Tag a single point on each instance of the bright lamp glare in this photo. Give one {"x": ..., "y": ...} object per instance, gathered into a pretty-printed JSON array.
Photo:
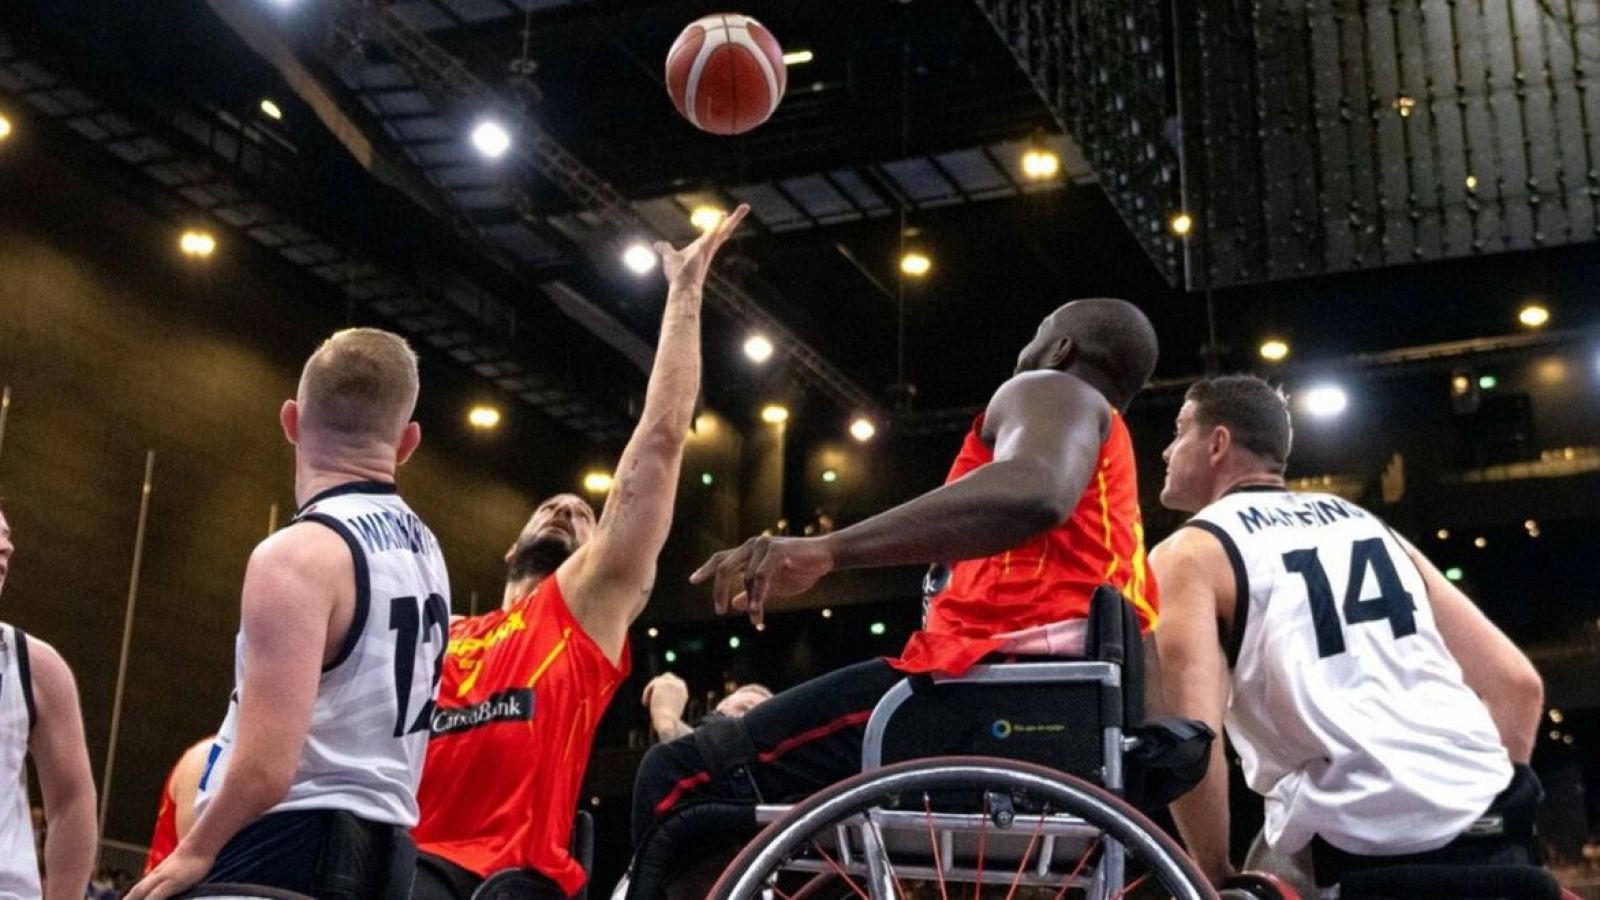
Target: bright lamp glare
[
  {"x": 758, "y": 348},
  {"x": 483, "y": 417},
  {"x": 915, "y": 264},
  {"x": 5, "y": 128},
  {"x": 597, "y": 482},
  {"x": 706, "y": 217},
  {"x": 798, "y": 57},
  {"x": 491, "y": 139},
  {"x": 773, "y": 414},
  {"x": 1274, "y": 350},
  {"x": 271, "y": 110},
  {"x": 1326, "y": 401},
  {"x": 1181, "y": 224},
  {"x": 197, "y": 243},
  {"x": 862, "y": 429},
  {"x": 1040, "y": 164},
  {"x": 1533, "y": 316},
  {"x": 639, "y": 259}
]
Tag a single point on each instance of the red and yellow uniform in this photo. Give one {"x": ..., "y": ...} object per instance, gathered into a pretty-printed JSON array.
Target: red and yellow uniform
[
  {"x": 1046, "y": 580},
  {"x": 522, "y": 692},
  {"x": 165, "y": 838}
]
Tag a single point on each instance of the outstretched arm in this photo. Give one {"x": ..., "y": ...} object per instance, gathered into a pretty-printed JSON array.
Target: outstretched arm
[
  {"x": 1046, "y": 428},
  {"x": 62, "y": 760},
  {"x": 1196, "y": 594},
  {"x": 608, "y": 580}
]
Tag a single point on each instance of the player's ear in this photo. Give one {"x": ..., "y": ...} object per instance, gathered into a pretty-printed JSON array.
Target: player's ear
[
  {"x": 1061, "y": 353},
  {"x": 289, "y": 418},
  {"x": 1221, "y": 441},
  {"x": 409, "y": 439}
]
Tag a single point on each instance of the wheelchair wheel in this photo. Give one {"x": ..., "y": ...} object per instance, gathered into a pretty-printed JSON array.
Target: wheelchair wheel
[{"x": 913, "y": 829}]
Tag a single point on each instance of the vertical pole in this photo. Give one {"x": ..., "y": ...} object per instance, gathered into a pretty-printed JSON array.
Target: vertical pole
[
  {"x": 5, "y": 411},
  {"x": 127, "y": 638},
  {"x": 272, "y": 519}
]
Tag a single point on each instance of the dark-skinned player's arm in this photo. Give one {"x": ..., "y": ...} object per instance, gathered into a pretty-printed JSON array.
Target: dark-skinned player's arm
[
  {"x": 607, "y": 581},
  {"x": 1046, "y": 428}
]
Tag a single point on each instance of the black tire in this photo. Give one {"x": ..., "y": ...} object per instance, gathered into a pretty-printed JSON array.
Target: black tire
[{"x": 1144, "y": 841}]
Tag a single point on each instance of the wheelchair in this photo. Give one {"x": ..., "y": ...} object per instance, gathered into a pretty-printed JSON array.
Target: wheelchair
[{"x": 993, "y": 807}]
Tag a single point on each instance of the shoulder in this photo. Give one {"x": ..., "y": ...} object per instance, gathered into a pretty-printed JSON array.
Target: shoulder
[
  {"x": 304, "y": 545},
  {"x": 1046, "y": 393},
  {"x": 1191, "y": 550},
  {"x": 52, "y": 679}
]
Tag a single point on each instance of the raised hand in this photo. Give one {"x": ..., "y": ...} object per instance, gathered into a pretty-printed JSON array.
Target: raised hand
[
  {"x": 763, "y": 568},
  {"x": 688, "y": 267}
]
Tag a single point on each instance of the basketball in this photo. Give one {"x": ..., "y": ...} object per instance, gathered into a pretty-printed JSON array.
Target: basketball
[{"x": 725, "y": 73}]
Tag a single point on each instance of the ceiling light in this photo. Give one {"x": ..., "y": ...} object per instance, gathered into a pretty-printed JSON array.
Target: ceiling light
[
  {"x": 1040, "y": 164},
  {"x": 1533, "y": 315},
  {"x": 827, "y": 613},
  {"x": 483, "y": 417},
  {"x": 862, "y": 429},
  {"x": 670, "y": 657},
  {"x": 705, "y": 424},
  {"x": 1404, "y": 104},
  {"x": 199, "y": 244},
  {"x": 653, "y": 631},
  {"x": 1566, "y": 739},
  {"x": 491, "y": 139},
  {"x": 271, "y": 110},
  {"x": 1326, "y": 400},
  {"x": 1472, "y": 182},
  {"x": 1488, "y": 382},
  {"x": 597, "y": 482},
  {"x": 798, "y": 57},
  {"x": 1181, "y": 224},
  {"x": 774, "y": 414},
  {"x": 1556, "y": 716},
  {"x": 1444, "y": 534},
  {"x": 758, "y": 348},
  {"x": 915, "y": 264},
  {"x": 830, "y": 475},
  {"x": 1480, "y": 542},
  {"x": 5, "y": 128},
  {"x": 733, "y": 642},
  {"x": 1555, "y": 735},
  {"x": 1460, "y": 384},
  {"x": 877, "y": 628},
  {"x": 1274, "y": 350},
  {"x": 639, "y": 259},
  {"x": 1531, "y": 524},
  {"x": 706, "y": 478},
  {"x": 706, "y": 217},
  {"x": 1454, "y": 573}
]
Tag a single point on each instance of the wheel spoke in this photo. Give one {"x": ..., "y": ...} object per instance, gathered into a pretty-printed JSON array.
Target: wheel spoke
[
  {"x": 933, "y": 839},
  {"x": 1136, "y": 882},
  {"x": 1026, "y": 855},
  {"x": 841, "y": 870},
  {"x": 983, "y": 834}
]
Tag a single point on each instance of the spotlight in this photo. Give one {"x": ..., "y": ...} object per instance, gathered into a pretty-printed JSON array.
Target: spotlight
[
  {"x": 1533, "y": 316},
  {"x": 915, "y": 264},
  {"x": 1488, "y": 382},
  {"x": 1325, "y": 401},
  {"x": 827, "y": 613},
  {"x": 483, "y": 417},
  {"x": 1460, "y": 384},
  {"x": 1444, "y": 534},
  {"x": 877, "y": 628},
  {"x": 1472, "y": 182},
  {"x": 670, "y": 657},
  {"x": 1274, "y": 350},
  {"x": 1556, "y": 716},
  {"x": 774, "y": 414},
  {"x": 597, "y": 482},
  {"x": 1454, "y": 573},
  {"x": 271, "y": 110},
  {"x": 1040, "y": 164},
  {"x": 5, "y": 128},
  {"x": 1404, "y": 104},
  {"x": 639, "y": 258},
  {"x": 862, "y": 429},
  {"x": 758, "y": 348},
  {"x": 1480, "y": 542},
  {"x": 830, "y": 475},
  {"x": 706, "y": 479},
  {"x": 733, "y": 642},
  {"x": 1181, "y": 224},
  {"x": 491, "y": 139},
  {"x": 706, "y": 217},
  {"x": 200, "y": 244},
  {"x": 798, "y": 57},
  {"x": 653, "y": 631}
]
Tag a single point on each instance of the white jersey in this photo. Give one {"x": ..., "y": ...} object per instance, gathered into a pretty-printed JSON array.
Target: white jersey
[
  {"x": 19, "y": 864},
  {"x": 1348, "y": 712},
  {"x": 369, "y": 724}
]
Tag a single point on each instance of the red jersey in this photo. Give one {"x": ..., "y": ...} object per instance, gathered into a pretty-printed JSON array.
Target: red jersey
[
  {"x": 1047, "y": 579},
  {"x": 165, "y": 838},
  {"x": 520, "y": 698}
]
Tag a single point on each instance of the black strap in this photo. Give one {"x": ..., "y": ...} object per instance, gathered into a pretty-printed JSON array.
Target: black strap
[{"x": 728, "y": 753}]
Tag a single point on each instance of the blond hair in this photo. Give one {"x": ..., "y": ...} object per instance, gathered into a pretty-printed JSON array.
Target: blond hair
[{"x": 360, "y": 386}]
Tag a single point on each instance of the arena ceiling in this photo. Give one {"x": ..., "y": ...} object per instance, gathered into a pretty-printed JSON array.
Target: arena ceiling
[{"x": 904, "y": 130}]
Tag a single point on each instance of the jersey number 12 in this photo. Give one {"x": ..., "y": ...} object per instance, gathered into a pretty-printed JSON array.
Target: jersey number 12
[
  {"x": 403, "y": 618},
  {"x": 1393, "y": 601}
]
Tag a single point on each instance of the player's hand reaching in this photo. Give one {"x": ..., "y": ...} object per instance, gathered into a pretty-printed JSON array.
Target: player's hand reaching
[
  {"x": 763, "y": 568},
  {"x": 687, "y": 268},
  {"x": 176, "y": 874},
  {"x": 666, "y": 695}
]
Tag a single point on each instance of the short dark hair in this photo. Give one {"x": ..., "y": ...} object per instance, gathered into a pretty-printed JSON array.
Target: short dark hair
[
  {"x": 1115, "y": 339},
  {"x": 1253, "y": 411}
]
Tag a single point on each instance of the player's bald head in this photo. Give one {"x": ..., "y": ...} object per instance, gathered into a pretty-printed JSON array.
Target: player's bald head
[
  {"x": 359, "y": 387},
  {"x": 1109, "y": 336}
]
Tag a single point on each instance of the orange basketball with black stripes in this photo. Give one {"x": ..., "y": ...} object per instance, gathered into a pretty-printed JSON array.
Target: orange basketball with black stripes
[{"x": 725, "y": 73}]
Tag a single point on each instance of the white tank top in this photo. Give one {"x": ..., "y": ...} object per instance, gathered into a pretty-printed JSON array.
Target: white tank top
[
  {"x": 1348, "y": 712},
  {"x": 369, "y": 724},
  {"x": 19, "y": 864}
]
